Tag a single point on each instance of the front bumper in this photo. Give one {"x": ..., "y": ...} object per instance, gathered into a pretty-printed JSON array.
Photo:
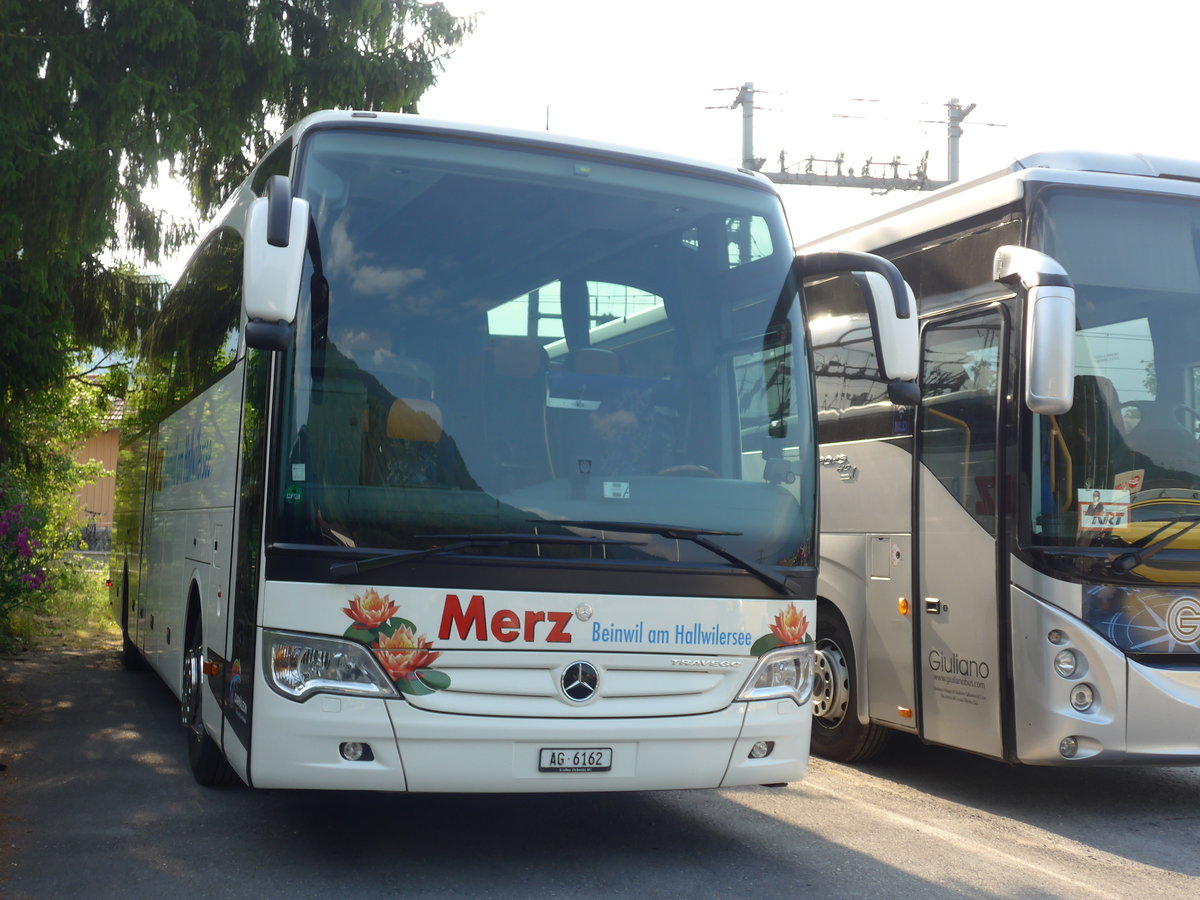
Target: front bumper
[{"x": 296, "y": 745}]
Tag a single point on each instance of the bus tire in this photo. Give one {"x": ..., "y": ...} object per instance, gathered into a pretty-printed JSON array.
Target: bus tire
[
  {"x": 837, "y": 734},
  {"x": 131, "y": 657},
  {"x": 206, "y": 759}
]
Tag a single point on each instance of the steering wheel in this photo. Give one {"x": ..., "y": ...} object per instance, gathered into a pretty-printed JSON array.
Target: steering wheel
[
  {"x": 1142, "y": 406},
  {"x": 1191, "y": 411},
  {"x": 689, "y": 470}
]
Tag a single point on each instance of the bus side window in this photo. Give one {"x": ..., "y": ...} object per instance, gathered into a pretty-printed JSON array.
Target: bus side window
[
  {"x": 184, "y": 353},
  {"x": 959, "y": 384},
  {"x": 852, "y": 403}
]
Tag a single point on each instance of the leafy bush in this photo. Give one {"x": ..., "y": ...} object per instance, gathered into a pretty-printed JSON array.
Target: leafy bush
[
  {"x": 79, "y": 603},
  {"x": 75, "y": 612},
  {"x": 22, "y": 554},
  {"x": 39, "y": 481}
]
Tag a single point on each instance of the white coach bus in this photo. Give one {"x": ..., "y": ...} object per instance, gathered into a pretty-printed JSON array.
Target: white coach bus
[
  {"x": 476, "y": 460},
  {"x": 1013, "y": 568}
]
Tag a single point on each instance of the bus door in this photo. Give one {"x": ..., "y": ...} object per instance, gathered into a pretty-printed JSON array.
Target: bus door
[{"x": 956, "y": 527}]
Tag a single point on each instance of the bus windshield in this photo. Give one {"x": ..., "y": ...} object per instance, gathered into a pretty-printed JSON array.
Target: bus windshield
[
  {"x": 513, "y": 342},
  {"x": 1125, "y": 460}
]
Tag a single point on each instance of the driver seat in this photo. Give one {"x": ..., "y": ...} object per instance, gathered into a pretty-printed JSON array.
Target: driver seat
[{"x": 1163, "y": 439}]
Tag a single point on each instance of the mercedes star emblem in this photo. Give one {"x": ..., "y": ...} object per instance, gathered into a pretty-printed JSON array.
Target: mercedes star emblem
[{"x": 579, "y": 681}]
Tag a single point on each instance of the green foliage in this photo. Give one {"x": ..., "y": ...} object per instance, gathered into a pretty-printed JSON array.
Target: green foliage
[
  {"x": 74, "y": 612},
  {"x": 22, "y": 555},
  {"x": 80, "y": 601},
  {"x": 98, "y": 94},
  {"x": 37, "y": 493}
]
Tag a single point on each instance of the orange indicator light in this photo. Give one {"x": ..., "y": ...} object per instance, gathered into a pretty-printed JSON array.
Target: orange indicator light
[{"x": 903, "y": 606}]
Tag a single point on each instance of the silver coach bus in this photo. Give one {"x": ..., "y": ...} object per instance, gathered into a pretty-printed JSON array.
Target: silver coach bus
[{"x": 1012, "y": 567}]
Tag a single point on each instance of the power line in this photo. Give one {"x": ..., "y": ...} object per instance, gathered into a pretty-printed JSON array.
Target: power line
[{"x": 879, "y": 177}]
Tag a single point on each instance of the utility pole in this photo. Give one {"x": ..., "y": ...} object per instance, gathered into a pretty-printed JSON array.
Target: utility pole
[
  {"x": 917, "y": 180},
  {"x": 955, "y": 115},
  {"x": 745, "y": 99}
]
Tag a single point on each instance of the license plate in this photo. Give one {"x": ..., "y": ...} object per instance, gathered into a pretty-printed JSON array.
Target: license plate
[{"x": 575, "y": 759}]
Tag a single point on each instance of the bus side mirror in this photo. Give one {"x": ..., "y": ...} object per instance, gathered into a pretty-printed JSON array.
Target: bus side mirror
[
  {"x": 897, "y": 335},
  {"x": 891, "y": 307},
  {"x": 1049, "y": 326},
  {"x": 275, "y": 244}
]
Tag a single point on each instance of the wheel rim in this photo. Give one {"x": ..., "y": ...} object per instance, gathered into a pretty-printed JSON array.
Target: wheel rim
[
  {"x": 191, "y": 690},
  {"x": 831, "y": 684}
]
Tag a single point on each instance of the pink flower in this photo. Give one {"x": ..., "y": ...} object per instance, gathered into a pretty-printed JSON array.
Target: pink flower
[
  {"x": 791, "y": 626},
  {"x": 401, "y": 653},
  {"x": 370, "y": 610}
]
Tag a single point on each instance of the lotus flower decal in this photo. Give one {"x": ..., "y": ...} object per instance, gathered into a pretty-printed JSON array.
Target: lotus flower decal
[
  {"x": 370, "y": 610},
  {"x": 789, "y": 628},
  {"x": 791, "y": 625},
  {"x": 404, "y": 655}
]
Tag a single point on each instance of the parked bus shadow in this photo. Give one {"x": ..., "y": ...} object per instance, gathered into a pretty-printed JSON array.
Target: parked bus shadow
[
  {"x": 96, "y": 800},
  {"x": 95, "y": 773},
  {"x": 1158, "y": 805}
]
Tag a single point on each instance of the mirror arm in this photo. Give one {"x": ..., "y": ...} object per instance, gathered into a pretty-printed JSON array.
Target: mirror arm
[{"x": 834, "y": 262}]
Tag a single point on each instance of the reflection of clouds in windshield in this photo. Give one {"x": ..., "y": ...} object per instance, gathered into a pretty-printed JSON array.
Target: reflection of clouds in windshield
[
  {"x": 366, "y": 278},
  {"x": 366, "y": 348},
  {"x": 396, "y": 371}
]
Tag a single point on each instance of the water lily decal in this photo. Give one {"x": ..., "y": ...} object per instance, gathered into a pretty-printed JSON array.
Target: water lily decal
[
  {"x": 789, "y": 628},
  {"x": 370, "y": 610},
  {"x": 404, "y": 655},
  {"x": 791, "y": 625}
]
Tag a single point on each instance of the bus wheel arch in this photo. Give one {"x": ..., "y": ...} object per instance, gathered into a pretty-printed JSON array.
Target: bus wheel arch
[
  {"x": 206, "y": 759},
  {"x": 131, "y": 657},
  {"x": 837, "y": 733}
]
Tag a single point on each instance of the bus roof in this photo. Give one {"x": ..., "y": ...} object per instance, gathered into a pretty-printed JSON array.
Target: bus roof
[
  {"x": 960, "y": 202},
  {"x": 426, "y": 125}
]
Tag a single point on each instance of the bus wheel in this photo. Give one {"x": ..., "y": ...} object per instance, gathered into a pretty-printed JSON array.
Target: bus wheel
[
  {"x": 131, "y": 658},
  {"x": 208, "y": 763},
  {"x": 837, "y": 733}
]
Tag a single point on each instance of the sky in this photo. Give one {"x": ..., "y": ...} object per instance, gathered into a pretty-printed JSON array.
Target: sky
[{"x": 864, "y": 78}]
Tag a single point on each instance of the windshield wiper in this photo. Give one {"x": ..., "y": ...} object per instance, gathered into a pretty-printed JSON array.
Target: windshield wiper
[
  {"x": 1129, "y": 561},
  {"x": 459, "y": 542},
  {"x": 697, "y": 536}
]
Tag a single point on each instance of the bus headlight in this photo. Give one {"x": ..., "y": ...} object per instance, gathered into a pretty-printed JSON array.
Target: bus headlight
[
  {"x": 299, "y": 665},
  {"x": 1082, "y": 697},
  {"x": 1065, "y": 663},
  {"x": 783, "y": 673}
]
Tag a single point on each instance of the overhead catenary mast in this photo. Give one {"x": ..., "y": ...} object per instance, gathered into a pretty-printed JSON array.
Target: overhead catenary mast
[
  {"x": 955, "y": 115},
  {"x": 835, "y": 173}
]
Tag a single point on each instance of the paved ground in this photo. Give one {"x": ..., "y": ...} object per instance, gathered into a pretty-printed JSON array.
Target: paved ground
[{"x": 96, "y": 801}]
